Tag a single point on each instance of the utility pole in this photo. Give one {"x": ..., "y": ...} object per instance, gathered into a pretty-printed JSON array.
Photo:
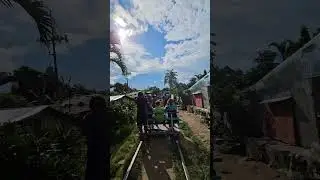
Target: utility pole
[
  {"x": 127, "y": 91},
  {"x": 54, "y": 40},
  {"x": 54, "y": 54}
]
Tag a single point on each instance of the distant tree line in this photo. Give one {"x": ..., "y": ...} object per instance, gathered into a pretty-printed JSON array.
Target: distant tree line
[{"x": 38, "y": 87}]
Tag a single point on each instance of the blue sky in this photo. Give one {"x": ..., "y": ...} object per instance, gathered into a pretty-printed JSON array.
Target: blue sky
[
  {"x": 154, "y": 42},
  {"x": 158, "y": 38},
  {"x": 241, "y": 28}
]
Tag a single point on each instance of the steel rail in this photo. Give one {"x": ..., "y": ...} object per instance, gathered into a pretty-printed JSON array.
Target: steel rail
[
  {"x": 185, "y": 170},
  {"x": 132, "y": 162}
]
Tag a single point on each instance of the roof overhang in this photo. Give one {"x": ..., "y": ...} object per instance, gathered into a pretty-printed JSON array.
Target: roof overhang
[
  {"x": 275, "y": 99},
  {"x": 197, "y": 92}
]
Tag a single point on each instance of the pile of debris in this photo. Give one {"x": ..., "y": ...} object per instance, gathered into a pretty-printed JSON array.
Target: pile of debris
[{"x": 296, "y": 162}]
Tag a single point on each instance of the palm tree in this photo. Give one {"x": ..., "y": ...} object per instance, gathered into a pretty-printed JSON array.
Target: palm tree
[
  {"x": 305, "y": 36},
  {"x": 41, "y": 16},
  {"x": 283, "y": 48},
  {"x": 192, "y": 81},
  {"x": 287, "y": 47},
  {"x": 170, "y": 78},
  {"x": 39, "y": 13},
  {"x": 118, "y": 59},
  {"x": 316, "y": 32}
]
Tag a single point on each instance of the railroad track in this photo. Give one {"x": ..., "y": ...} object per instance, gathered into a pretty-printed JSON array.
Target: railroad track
[{"x": 142, "y": 145}]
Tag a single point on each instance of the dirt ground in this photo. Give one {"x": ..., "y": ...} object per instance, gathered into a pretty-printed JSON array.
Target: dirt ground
[
  {"x": 199, "y": 129},
  {"x": 231, "y": 167}
]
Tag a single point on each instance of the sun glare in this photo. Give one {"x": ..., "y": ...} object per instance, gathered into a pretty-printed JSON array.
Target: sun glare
[
  {"x": 123, "y": 34},
  {"x": 120, "y": 22},
  {"x": 123, "y": 31}
]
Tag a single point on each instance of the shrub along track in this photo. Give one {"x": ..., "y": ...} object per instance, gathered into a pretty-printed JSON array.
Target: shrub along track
[
  {"x": 197, "y": 154},
  {"x": 121, "y": 157}
]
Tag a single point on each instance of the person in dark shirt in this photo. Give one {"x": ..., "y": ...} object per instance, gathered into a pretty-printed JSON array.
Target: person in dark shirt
[
  {"x": 95, "y": 126},
  {"x": 142, "y": 111}
]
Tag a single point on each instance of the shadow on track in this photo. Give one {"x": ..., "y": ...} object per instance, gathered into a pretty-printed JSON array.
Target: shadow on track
[{"x": 154, "y": 161}]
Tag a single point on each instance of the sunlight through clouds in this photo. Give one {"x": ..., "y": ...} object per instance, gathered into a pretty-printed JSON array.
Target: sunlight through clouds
[
  {"x": 120, "y": 22},
  {"x": 185, "y": 25}
]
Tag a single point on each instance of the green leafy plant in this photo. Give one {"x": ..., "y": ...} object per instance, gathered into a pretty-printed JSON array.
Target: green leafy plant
[{"x": 54, "y": 154}]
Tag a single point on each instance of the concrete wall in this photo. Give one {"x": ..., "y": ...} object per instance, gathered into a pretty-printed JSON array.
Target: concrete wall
[
  {"x": 205, "y": 97},
  {"x": 304, "y": 113}
]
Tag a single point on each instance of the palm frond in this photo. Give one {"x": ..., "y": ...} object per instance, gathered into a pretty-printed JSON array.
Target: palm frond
[
  {"x": 119, "y": 60},
  {"x": 116, "y": 50},
  {"x": 277, "y": 45},
  {"x": 6, "y": 3},
  {"x": 121, "y": 64},
  {"x": 114, "y": 38},
  {"x": 40, "y": 14}
]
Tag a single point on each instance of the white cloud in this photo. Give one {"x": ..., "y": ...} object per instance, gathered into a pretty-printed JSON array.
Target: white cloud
[
  {"x": 138, "y": 60},
  {"x": 186, "y": 25},
  {"x": 122, "y": 18}
]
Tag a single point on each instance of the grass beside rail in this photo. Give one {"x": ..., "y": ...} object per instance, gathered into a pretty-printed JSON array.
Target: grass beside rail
[
  {"x": 196, "y": 155},
  {"x": 120, "y": 159}
]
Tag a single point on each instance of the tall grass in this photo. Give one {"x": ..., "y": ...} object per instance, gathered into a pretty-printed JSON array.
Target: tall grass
[
  {"x": 121, "y": 158},
  {"x": 196, "y": 155},
  {"x": 125, "y": 139},
  {"x": 52, "y": 155},
  {"x": 59, "y": 154}
]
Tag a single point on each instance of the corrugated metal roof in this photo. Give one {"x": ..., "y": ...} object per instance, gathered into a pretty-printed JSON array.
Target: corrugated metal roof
[
  {"x": 302, "y": 64},
  {"x": 18, "y": 114},
  {"x": 114, "y": 98},
  {"x": 275, "y": 95},
  {"x": 275, "y": 100},
  {"x": 77, "y": 99},
  {"x": 197, "y": 92},
  {"x": 205, "y": 81}
]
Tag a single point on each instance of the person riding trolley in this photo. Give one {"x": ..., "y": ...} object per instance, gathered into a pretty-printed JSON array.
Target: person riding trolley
[{"x": 171, "y": 111}]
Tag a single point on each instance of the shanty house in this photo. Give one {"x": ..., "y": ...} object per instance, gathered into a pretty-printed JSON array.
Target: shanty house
[
  {"x": 35, "y": 119},
  {"x": 290, "y": 97},
  {"x": 78, "y": 106},
  {"x": 200, "y": 92}
]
